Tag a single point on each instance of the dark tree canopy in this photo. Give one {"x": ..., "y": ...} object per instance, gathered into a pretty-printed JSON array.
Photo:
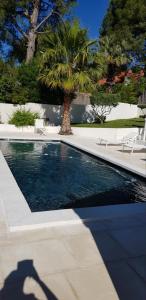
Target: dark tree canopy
[{"x": 125, "y": 21}]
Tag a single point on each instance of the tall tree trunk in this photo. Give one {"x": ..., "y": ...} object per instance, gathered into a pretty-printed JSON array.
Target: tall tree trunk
[
  {"x": 31, "y": 46},
  {"x": 66, "y": 126},
  {"x": 32, "y": 33}
]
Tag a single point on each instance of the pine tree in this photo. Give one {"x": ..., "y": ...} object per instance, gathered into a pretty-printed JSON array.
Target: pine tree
[
  {"x": 22, "y": 20},
  {"x": 125, "y": 21}
]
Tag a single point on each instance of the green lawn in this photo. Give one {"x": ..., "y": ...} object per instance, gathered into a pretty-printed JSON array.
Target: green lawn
[{"x": 137, "y": 122}]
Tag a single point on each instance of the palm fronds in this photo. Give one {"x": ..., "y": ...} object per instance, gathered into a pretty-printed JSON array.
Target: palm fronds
[{"x": 69, "y": 62}]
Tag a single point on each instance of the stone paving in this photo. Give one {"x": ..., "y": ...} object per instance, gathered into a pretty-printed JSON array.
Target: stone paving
[
  {"x": 104, "y": 260},
  {"x": 100, "y": 260}
]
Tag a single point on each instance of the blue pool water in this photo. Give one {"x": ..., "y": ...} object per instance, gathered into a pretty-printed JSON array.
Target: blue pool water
[{"x": 56, "y": 176}]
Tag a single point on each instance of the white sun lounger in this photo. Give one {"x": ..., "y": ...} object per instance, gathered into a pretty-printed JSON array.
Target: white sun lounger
[
  {"x": 134, "y": 146},
  {"x": 129, "y": 137}
]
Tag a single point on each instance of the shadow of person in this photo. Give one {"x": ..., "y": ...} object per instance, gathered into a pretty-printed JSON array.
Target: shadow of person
[{"x": 14, "y": 283}]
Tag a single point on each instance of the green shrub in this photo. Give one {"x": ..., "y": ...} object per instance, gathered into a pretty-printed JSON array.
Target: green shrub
[{"x": 23, "y": 117}]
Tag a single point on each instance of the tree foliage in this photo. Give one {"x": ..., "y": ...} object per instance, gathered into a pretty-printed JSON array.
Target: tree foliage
[
  {"x": 16, "y": 86},
  {"x": 21, "y": 21},
  {"x": 9, "y": 85},
  {"x": 27, "y": 76},
  {"x": 130, "y": 90},
  {"x": 19, "y": 85},
  {"x": 112, "y": 56},
  {"x": 125, "y": 21}
]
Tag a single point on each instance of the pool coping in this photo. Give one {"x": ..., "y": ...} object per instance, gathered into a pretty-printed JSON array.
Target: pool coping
[{"x": 18, "y": 215}]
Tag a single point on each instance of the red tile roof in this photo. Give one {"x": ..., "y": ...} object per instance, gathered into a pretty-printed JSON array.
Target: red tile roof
[{"x": 121, "y": 77}]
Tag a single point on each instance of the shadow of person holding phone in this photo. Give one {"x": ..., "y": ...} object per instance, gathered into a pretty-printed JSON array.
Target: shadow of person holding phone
[{"x": 14, "y": 283}]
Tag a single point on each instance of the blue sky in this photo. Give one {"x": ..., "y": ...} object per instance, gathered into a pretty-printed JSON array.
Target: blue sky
[{"x": 91, "y": 13}]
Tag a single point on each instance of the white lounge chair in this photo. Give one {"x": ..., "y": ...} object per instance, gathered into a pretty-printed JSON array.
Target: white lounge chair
[
  {"x": 134, "y": 146},
  {"x": 129, "y": 137},
  {"x": 39, "y": 127}
]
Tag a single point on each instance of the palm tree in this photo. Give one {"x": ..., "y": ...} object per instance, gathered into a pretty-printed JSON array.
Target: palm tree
[{"x": 68, "y": 64}]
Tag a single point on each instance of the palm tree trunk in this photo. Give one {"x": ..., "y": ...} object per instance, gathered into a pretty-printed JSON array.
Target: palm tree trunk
[{"x": 66, "y": 126}]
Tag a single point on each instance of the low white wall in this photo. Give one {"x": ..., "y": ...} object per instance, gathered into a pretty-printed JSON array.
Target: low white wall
[
  {"x": 112, "y": 133},
  {"x": 28, "y": 129},
  {"x": 79, "y": 113}
]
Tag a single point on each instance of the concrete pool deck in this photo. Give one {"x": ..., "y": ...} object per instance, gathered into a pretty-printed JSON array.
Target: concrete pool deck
[{"x": 103, "y": 259}]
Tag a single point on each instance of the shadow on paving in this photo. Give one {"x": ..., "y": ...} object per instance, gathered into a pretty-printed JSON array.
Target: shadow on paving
[
  {"x": 14, "y": 283},
  {"x": 126, "y": 279},
  {"x": 116, "y": 258}
]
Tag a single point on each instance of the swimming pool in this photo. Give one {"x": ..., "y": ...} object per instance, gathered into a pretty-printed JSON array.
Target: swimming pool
[{"x": 53, "y": 175}]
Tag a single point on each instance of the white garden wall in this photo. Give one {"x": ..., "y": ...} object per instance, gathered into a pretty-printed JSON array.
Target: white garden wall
[
  {"x": 45, "y": 111},
  {"x": 124, "y": 111},
  {"x": 79, "y": 113}
]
